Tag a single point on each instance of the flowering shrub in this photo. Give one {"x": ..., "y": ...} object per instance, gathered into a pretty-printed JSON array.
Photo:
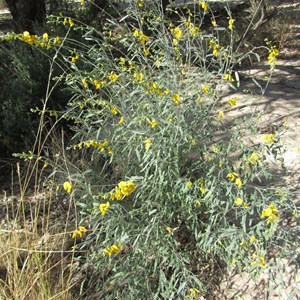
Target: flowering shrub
[{"x": 168, "y": 184}]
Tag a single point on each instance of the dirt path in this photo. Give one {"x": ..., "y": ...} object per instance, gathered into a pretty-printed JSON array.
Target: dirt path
[{"x": 280, "y": 108}]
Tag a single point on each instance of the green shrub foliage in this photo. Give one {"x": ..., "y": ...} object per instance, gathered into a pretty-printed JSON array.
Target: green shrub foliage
[{"x": 164, "y": 175}]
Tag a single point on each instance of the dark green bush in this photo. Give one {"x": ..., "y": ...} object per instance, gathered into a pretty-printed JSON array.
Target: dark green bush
[{"x": 24, "y": 73}]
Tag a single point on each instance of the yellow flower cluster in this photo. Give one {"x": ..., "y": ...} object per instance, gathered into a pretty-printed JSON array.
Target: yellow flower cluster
[
  {"x": 69, "y": 21},
  {"x": 138, "y": 76},
  {"x": 67, "y": 187},
  {"x": 232, "y": 102},
  {"x": 34, "y": 40},
  {"x": 147, "y": 144},
  {"x": 28, "y": 38},
  {"x": 269, "y": 139},
  {"x": 152, "y": 123},
  {"x": 176, "y": 98},
  {"x": 203, "y": 5},
  {"x": 258, "y": 260},
  {"x": 104, "y": 208},
  {"x": 177, "y": 32},
  {"x": 113, "y": 77},
  {"x": 112, "y": 249},
  {"x": 221, "y": 114},
  {"x": 98, "y": 84},
  {"x": 228, "y": 77},
  {"x": 205, "y": 89},
  {"x": 154, "y": 88},
  {"x": 202, "y": 188},
  {"x": 215, "y": 46},
  {"x": 271, "y": 213},
  {"x": 140, "y": 36},
  {"x": 194, "y": 294},
  {"x": 234, "y": 177},
  {"x": 254, "y": 158},
  {"x": 92, "y": 143},
  {"x": 122, "y": 189},
  {"x": 239, "y": 201},
  {"x": 272, "y": 58},
  {"x": 192, "y": 28},
  {"x": 230, "y": 23},
  {"x": 78, "y": 232}
]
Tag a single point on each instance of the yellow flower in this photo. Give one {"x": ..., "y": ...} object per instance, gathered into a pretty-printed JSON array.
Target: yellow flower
[
  {"x": 82, "y": 2},
  {"x": 246, "y": 205},
  {"x": 239, "y": 182},
  {"x": 203, "y": 5},
  {"x": 113, "y": 77},
  {"x": 116, "y": 194},
  {"x": 238, "y": 201},
  {"x": 214, "y": 23},
  {"x": 176, "y": 98},
  {"x": 85, "y": 83},
  {"x": 262, "y": 262},
  {"x": 205, "y": 89},
  {"x": 221, "y": 115},
  {"x": 114, "y": 110},
  {"x": 121, "y": 121},
  {"x": 177, "y": 32},
  {"x": 75, "y": 58},
  {"x": 212, "y": 43},
  {"x": 175, "y": 42},
  {"x": 126, "y": 187},
  {"x": 112, "y": 249},
  {"x": 140, "y": 36},
  {"x": 202, "y": 190},
  {"x": 153, "y": 123},
  {"x": 231, "y": 176},
  {"x": 199, "y": 99},
  {"x": 254, "y": 158},
  {"x": 97, "y": 84},
  {"x": 269, "y": 139},
  {"x": 215, "y": 149},
  {"x": 194, "y": 31},
  {"x": 252, "y": 239},
  {"x": 67, "y": 186},
  {"x": 216, "y": 50},
  {"x": 104, "y": 207},
  {"x": 272, "y": 58},
  {"x": 230, "y": 24},
  {"x": 189, "y": 184},
  {"x": 57, "y": 40},
  {"x": 270, "y": 213},
  {"x": 170, "y": 119},
  {"x": 146, "y": 52},
  {"x": 194, "y": 294},
  {"x": 82, "y": 229},
  {"x": 45, "y": 36},
  {"x": 71, "y": 22},
  {"x": 232, "y": 102},
  {"x": 78, "y": 232},
  {"x": 138, "y": 76},
  {"x": 228, "y": 77},
  {"x": 147, "y": 144}
]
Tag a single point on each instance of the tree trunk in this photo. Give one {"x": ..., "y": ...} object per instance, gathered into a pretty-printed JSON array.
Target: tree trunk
[{"x": 26, "y": 12}]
